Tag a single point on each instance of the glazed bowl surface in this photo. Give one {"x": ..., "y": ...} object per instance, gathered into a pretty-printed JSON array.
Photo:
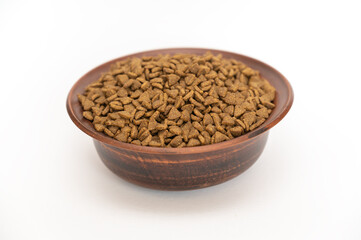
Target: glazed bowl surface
[{"x": 189, "y": 167}]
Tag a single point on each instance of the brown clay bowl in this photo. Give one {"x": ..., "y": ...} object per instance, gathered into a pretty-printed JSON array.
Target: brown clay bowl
[{"x": 183, "y": 168}]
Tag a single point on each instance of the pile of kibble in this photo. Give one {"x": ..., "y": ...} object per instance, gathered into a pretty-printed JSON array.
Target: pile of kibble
[{"x": 181, "y": 100}]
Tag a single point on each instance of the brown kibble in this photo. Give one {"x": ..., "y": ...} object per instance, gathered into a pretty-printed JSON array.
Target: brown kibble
[
  {"x": 186, "y": 116},
  {"x": 136, "y": 142},
  {"x": 126, "y": 100},
  {"x": 100, "y": 100},
  {"x": 216, "y": 118},
  {"x": 263, "y": 112},
  {"x": 108, "y": 132},
  {"x": 238, "y": 111},
  {"x": 229, "y": 134},
  {"x": 230, "y": 110},
  {"x": 122, "y": 92},
  {"x": 188, "y": 95},
  {"x": 240, "y": 123},
  {"x": 87, "y": 104},
  {"x": 197, "y": 104},
  {"x": 195, "y": 118},
  {"x": 128, "y": 83},
  {"x": 99, "y": 127},
  {"x": 97, "y": 111},
  {"x": 207, "y": 119},
  {"x": 157, "y": 85},
  {"x": 139, "y": 114},
  {"x": 231, "y": 98},
  {"x": 171, "y": 123},
  {"x": 152, "y": 124},
  {"x": 176, "y": 141},
  {"x": 249, "y": 118},
  {"x": 193, "y": 142},
  {"x": 119, "y": 123},
  {"x": 125, "y": 114},
  {"x": 207, "y": 137},
  {"x": 88, "y": 115},
  {"x": 198, "y": 97},
  {"x": 156, "y": 104},
  {"x": 122, "y": 136},
  {"x": 220, "y": 137},
  {"x": 143, "y": 133},
  {"x": 162, "y": 135},
  {"x": 122, "y": 78},
  {"x": 210, "y": 100},
  {"x": 198, "y": 126},
  {"x": 269, "y": 105},
  {"x": 211, "y": 129},
  {"x": 154, "y": 143},
  {"x": 111, "y": 98},
  {"x": 193, "y": 133},
  {"x": 202, "y": 140},
  {"x": 132, "y": 74},
  {"x": 190, "y": 79},
  {"x": 105, "y": 110},
  {"x": 172, "y": 93},
  {"x": 211, "y": 75},
  {"x": 236, "y": 131},
  {"x": 116, "y": 105},
  {"x": 221, "y": 76},
  {"x": 145, "y": 86},
  {"x": 168, "y": 70},
  {"x": 257, "y": 124},
  {"x": 134, "y": 132},
  {"x": 100, "y": 120},
  {"x": 198, "y": 113},
  {"x": 216, "y": 110},
  {"x": 162, "y": 108},
  {"x": 203, "y": 70},
  {"x": 173, "y": 79},
  {"x": 162, "y": 126},
  {"x": 220, "y": 128},
  {"x": 188, "y": 107},
  {"x": 147, "y": 140},
  {"x": 179, "y": 101},
  {"x": 248, "y": 72},
  {"x": 175, "y": 130},
  {"x": 228, "y": 121},
  {"x": 183, "y": 144},
  {"x": 174, "y": 114},
  {"x": 185, "y": 130},
  {"x": 222, "y": 91}
]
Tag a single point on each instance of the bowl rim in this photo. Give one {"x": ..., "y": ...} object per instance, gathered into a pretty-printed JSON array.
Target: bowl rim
[{"x": 186, "y": 150}]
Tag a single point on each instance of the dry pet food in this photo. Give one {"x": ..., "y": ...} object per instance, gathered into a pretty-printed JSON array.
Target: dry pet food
[{"x": 181, "y": 100}]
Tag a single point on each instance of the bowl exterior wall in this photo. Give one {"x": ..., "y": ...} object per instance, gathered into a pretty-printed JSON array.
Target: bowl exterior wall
[{"x": 182, "y": 171}]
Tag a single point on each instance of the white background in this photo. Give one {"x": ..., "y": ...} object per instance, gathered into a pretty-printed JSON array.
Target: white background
[{"x": 306, "y": 185}]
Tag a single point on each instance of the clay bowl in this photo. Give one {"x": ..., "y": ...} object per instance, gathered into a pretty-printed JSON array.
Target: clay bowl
[{"x": 184, "y": 168}]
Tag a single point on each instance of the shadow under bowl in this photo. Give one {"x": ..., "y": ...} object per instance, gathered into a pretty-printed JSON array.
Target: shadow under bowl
[{"x": 182, "y": 168}]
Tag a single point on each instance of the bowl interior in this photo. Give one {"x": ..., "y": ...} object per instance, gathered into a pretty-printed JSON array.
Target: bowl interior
[{"x": 283, "y": 101}]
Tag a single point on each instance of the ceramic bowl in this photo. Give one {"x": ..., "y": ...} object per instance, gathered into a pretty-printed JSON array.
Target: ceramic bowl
[{"x": 183, "y": 168}]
